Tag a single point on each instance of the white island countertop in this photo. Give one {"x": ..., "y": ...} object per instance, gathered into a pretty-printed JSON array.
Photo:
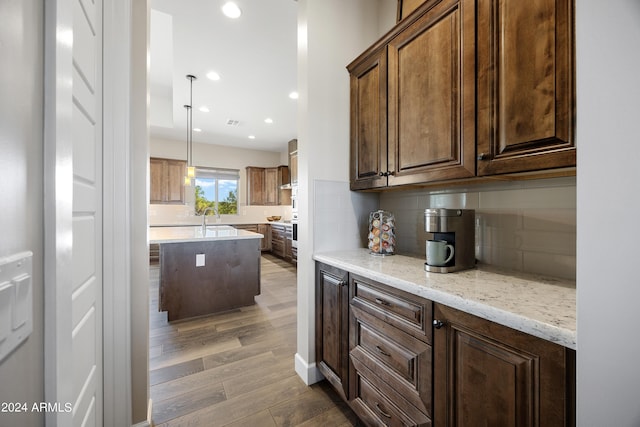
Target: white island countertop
[
  {"x": 194, "y": 234},
  {"x": 541, "y": 306}
]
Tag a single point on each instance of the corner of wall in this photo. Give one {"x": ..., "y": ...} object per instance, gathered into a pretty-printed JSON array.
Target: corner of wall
[{"x": 308, "y": 372}]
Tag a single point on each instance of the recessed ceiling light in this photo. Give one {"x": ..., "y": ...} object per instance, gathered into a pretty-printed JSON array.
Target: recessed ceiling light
[
  {"x": 293, "y": 95},
  {"x": 252, "y": 137},
  {"x": 204, "y": 109},
  {"x": 268, "y": 120},
  {"x": 197, "y": 130},
  {"x": 212, "y": 75},
  {"x": 231, "y": 10}
]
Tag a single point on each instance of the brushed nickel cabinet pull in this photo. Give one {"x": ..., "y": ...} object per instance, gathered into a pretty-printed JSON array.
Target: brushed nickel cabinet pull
[
  {"x": 381, "y": 351},
  {"x": 383, "y": 413},
  {"x": 382, "y": 302}
]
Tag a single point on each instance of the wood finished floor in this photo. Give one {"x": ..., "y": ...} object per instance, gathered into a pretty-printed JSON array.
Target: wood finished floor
[{"x": 237, "y": 368}]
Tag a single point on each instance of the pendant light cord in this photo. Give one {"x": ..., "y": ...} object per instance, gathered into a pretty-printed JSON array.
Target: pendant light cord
[{"x": 189, "y": 108}]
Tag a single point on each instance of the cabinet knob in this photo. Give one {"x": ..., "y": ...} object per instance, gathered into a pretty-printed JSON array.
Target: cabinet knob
[
  {"x": 342, "y": 282},
  {"x": 438, "y": 323},
  {"x": 483, "y": 156}
]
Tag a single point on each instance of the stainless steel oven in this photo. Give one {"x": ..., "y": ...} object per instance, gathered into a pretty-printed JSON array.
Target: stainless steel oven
[
  {"x": 294, "y": 215},
  {"x": 294, "y": 201},
  {"x": 294, "y": 227}
]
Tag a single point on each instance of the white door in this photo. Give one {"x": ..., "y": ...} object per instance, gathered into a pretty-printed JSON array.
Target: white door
[{"x": 73, "y": 206}]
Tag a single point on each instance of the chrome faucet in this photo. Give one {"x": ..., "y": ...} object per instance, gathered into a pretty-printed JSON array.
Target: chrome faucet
[{"x": 204, "y": 218}]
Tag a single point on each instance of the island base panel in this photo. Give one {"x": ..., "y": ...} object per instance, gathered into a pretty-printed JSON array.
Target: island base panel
[{"x": 229, "y": 279}]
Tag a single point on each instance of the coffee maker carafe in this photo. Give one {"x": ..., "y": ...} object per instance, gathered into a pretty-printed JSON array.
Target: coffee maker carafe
[{"x": 454, "y": 230}]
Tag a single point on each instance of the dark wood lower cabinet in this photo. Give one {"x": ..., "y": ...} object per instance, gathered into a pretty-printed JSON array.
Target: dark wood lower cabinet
[
  {"x": 401, "y": 360},
  {"x": 332, "y": 326},
  {"x": 487, "y": 374}
]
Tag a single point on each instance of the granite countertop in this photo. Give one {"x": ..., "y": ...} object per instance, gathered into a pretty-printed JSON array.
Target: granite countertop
[
  {"x": 212, "y": 222},
  {"x": 194, "y": 234},
  {"x": 541, "y": 306}
]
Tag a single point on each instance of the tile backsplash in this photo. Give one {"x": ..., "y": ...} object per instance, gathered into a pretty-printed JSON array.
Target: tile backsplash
[
  {"x": 182, "y": 214},
  {"x": 527, "y": 226}
]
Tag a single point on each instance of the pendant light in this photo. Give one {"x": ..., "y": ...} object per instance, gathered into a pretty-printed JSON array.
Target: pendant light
[{"x": 191, "y": 170}]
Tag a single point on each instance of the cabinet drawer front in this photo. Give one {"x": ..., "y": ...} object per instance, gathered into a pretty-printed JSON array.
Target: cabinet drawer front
[
  {"x": 384, "y": 350},
  {"x": 408, "y": 313},
  {"x": 398, "y": 359},
  {"x": 373, "y": 404},
  {"x": 277, "y": 247}
]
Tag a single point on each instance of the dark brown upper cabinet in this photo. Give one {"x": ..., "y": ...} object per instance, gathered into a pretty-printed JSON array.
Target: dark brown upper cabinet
[
  {"x": 526, "y": 88},
  {"x": 465, "y": 88}
]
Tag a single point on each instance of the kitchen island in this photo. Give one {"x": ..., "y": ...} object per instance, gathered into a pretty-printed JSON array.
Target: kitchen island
[{"x": 205, "y": 271}]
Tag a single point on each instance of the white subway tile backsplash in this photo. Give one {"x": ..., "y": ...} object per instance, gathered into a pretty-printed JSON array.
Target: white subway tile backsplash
[
  {"x": 340, "y": 217},
  {"x": 523, "y": 225}
]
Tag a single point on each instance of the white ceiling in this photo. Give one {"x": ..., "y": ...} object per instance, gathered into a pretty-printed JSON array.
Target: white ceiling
[{"x": 255, "y": 56}]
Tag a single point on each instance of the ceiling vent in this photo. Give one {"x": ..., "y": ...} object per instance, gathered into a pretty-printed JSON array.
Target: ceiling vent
[{"x": 231, "y": 122}]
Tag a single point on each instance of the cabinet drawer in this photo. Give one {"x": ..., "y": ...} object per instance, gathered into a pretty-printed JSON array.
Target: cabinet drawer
[
  {"x": 374, "y": 405},
  {"x": 400, "y": 360},
  {"x": 277, "y": 246},
  {"x": 407, "y": 312}
]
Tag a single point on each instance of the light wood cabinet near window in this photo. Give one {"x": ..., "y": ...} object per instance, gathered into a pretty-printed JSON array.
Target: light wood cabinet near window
[
  {"x": 263, "y": 186},
  {"x": 255, "y": 186},
  {"x": 293, "y": 161},
  {"x": 264, "y": 229},
  {"x": 166, "y": 181}
]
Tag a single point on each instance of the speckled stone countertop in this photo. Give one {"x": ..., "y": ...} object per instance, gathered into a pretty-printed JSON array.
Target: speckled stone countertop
[
  {"x": 194, "y": 234},
  {"x": 541, "y": 306}
]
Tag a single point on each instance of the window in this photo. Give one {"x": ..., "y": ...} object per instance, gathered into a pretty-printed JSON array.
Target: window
[{"x": 218, "y": 189}]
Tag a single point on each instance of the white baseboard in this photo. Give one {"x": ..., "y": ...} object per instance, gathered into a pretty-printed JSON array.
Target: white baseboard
[
  {"x": 148, "y": 422},
  {"x": 308, "y": 372}
]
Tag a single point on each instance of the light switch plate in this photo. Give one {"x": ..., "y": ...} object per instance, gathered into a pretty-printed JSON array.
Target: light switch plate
[
  {"x": 199, "y": 260},
  {"x": 16, "y": 301}
]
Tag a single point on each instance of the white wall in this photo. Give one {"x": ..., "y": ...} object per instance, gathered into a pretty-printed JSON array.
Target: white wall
[
  {"x": 608, "y": 88},
  {"x": 323, "y": 143},
  {"x": 21, "y": 209},
  {"x": 223, "y": 157}
]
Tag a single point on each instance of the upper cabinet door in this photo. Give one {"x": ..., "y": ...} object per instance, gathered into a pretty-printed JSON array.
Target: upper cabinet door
[
  {"x": 432, "y": 97},
  {"x": 166, "y": 181},
  {"x": 526, "y": 95},
  {"x": 369, "y": 121}
]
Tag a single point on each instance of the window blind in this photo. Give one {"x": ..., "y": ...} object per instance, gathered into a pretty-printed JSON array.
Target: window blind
[{"x": 217, "y": 173}]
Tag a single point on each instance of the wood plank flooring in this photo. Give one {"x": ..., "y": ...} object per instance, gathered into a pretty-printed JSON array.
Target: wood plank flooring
[{"x": 237, "y": 368}]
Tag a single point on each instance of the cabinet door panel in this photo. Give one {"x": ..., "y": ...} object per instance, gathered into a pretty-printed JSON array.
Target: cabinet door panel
[
  {"x": 525, "y": 85},
  {"x": 369, "y": 122},
  {"x": 157, "y": 180},
  {"x": 255, "y": 185},
  {"x": 271, "y": 186},
  {"x": 175, "y": 183},
  {"x": 522, "y": 380},
  {"x": 166, "y": 180},
  {"x": 431, "y": 90},
  {"x": 332, "y": 326}
]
